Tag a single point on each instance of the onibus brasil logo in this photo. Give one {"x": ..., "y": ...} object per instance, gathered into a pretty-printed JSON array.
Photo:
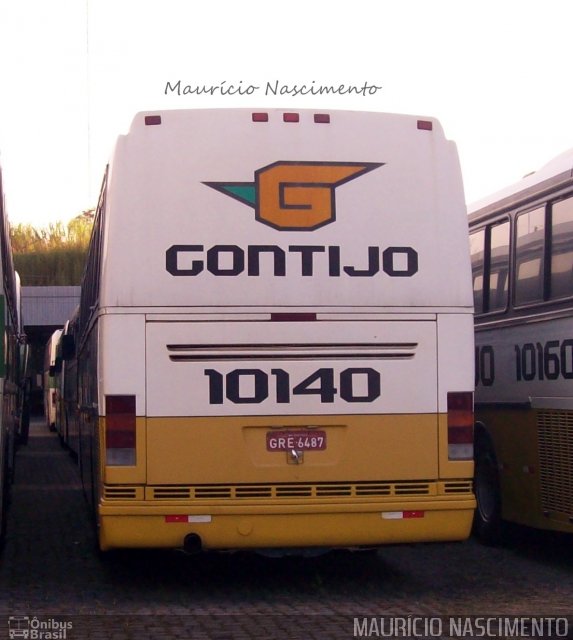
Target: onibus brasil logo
[{"x": 295, "y": 196}]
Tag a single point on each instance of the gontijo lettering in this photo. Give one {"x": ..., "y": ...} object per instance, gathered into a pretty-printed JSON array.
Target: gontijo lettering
[{"x": 232, "y": 260}]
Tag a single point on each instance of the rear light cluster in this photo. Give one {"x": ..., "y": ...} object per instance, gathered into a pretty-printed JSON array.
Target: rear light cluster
[
  {"x": 460, "y": 425},
  {"x": 319, "y": 118},
  {"x": 120, "y": 436}
]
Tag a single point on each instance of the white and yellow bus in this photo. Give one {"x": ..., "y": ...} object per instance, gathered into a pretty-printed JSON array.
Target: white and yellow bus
[
  {"x": 67, "y": 420},
  {"x": 522, "y": 257},
  {"x": 275, "y": 341},
  {"x": 51, "y": 391}
]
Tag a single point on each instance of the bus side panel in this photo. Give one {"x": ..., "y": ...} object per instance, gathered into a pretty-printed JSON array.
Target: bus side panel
[
  {"x": 523, "y": 400},
  {"x": 532, "y": 362},
  {"x": 513, "y": 432}
]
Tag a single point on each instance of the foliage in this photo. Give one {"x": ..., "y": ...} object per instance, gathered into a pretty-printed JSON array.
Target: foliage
[{"x": 53, "y": 255}]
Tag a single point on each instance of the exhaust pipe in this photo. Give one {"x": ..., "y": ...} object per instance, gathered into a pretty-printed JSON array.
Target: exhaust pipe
[{"x": 192, "y": 544}]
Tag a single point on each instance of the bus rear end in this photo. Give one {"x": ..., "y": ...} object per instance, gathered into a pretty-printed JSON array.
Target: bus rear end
[{"x": 285, "y": 351}]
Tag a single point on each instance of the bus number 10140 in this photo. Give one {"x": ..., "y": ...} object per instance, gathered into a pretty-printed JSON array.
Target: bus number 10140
[{"x": 253, "y": 386}]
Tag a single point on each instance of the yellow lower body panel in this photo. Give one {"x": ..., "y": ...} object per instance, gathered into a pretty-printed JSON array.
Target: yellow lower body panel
[{"x": 283, "y": 526}]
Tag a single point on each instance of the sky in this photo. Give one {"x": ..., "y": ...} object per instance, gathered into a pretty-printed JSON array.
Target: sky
[{"x": 496, "y": 73}]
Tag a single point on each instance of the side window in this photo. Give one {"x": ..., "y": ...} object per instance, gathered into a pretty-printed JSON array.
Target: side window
[
  {"x": 499, "y": 266},
  {"x": 562, "y": 249},
  {"x": 489, "y": 249},
  {"x": 90, "y": 284},
  {"x": 529, "y": 254},
  {"x": 477, "y": 255}
]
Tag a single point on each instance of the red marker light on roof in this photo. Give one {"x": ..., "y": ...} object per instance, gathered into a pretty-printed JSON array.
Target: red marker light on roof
[
  {"x": 260, "y": 117},
  {"x": 293, "y": 317},
  {"x": 290, "y": 117},
  {"x": 322, "y": 118},
  {"x": 425, "y": 125},
  {"x": 151, "y": 120}
]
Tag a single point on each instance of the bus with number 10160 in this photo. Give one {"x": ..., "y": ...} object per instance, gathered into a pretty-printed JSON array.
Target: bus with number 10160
[
  {"x": 522, "y": 258},
  {"x": 274, "y": 348}
]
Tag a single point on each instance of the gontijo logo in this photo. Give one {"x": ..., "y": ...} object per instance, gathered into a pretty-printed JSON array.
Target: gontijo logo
[{"x": 295, "y": 196}]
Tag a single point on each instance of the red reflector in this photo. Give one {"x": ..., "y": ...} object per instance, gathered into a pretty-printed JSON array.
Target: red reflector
[
  {"x": 293, "y": 317},
  {"x": 322, "y": 118},
  {"x": 151, "y": 120},
  {"x": 426, "y": 125},
  {"x": 290, "y": 117},
  {"x": 413, "y": 514},
  {"x": 177, "y": 519},
  {"x": 260, "y": 117}
]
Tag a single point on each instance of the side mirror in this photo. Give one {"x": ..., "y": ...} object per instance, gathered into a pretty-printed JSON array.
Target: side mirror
[
  {"x": 68, "y": 347},
  {"x": 57, "y": 366}
]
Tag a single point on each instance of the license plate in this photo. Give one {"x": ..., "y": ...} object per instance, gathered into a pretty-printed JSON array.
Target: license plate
[{"x": 306, "y": 440}]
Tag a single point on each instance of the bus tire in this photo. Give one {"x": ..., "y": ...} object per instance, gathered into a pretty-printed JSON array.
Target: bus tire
[{"x": 487, "y": 525}]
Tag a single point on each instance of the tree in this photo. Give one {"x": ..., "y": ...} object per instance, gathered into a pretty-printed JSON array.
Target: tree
[
  {"x": 80, "y": 228},
  {"x": 52, "y": 255}
]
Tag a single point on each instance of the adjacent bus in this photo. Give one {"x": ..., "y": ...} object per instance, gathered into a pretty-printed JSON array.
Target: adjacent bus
[
  {"x": 522, "y": 259},
  {"x": 67, "y": 417},
  {"x": 12, "y": 412},
  {"x": 51, "y": 392},
  {"x": 275, "y": 341},
  {"x": 23, "y": 378}
]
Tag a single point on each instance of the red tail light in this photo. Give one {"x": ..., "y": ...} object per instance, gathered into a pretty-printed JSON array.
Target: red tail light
[
  {"x": 120, "y": 436},
  {"x": 460, "y": 425}
]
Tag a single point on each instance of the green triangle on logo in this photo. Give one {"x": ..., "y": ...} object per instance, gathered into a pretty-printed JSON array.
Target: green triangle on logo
[{"x": 245, "y": 192}]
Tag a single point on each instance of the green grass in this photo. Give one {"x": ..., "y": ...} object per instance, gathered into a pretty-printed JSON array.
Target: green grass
[{"x": 62, "y": 266}]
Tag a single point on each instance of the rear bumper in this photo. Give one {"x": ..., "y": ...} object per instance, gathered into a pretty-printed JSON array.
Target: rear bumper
[{"x": 282, "y": 526}]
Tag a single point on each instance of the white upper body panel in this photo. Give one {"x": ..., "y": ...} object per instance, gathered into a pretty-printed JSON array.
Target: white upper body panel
[{"x": 210, "y": 209}]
